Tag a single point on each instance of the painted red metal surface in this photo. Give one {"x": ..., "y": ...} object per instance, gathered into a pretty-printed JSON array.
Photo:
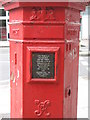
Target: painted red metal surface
[{"x": 44, "y": 29}]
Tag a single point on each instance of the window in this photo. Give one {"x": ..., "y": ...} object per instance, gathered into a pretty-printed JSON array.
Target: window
[
  {"x": 2, "y": 12},
  {"x": 4, "y": 28},
  {"x": 3, "y": 33},
  {"x": 2, "y": 23},
  {"x": 80, "y": 23}
]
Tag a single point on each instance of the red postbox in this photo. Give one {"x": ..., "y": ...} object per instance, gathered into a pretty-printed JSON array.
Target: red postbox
[{"x": 44, "y": 54}]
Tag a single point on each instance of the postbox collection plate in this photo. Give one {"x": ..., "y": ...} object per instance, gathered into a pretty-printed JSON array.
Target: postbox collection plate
[{"x": 43, "y": 65}]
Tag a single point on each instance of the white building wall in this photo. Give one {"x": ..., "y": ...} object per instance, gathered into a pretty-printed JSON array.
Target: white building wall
[
  {"x": 89, "y": 22},
  {"x": 84, "y": 32},
  {"x": 85, "y": 24}
]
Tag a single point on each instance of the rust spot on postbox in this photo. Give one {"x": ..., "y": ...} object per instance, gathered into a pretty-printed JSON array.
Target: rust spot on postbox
[{"x": 12, "y": 76}]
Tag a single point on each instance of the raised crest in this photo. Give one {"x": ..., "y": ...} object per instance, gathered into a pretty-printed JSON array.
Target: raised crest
[
  {"x": 42, "y": 108},
  {"x": 42, "y": 14}
]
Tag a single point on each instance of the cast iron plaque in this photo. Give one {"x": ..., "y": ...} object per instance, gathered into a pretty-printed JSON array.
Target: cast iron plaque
[{"x": 43, "y": 65}]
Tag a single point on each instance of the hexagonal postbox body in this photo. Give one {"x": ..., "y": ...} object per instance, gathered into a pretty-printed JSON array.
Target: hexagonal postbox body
[{"x": 44, "y": 54}]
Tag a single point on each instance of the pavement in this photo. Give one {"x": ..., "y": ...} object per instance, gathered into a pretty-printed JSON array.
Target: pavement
[
  {"x": 83, "y": 106},
  {"x": 84, "y": 51},
  {"x": 4, "y": 82},
  {"x": 83, "y": 88},
  {"x": 83, "y": 80}
]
